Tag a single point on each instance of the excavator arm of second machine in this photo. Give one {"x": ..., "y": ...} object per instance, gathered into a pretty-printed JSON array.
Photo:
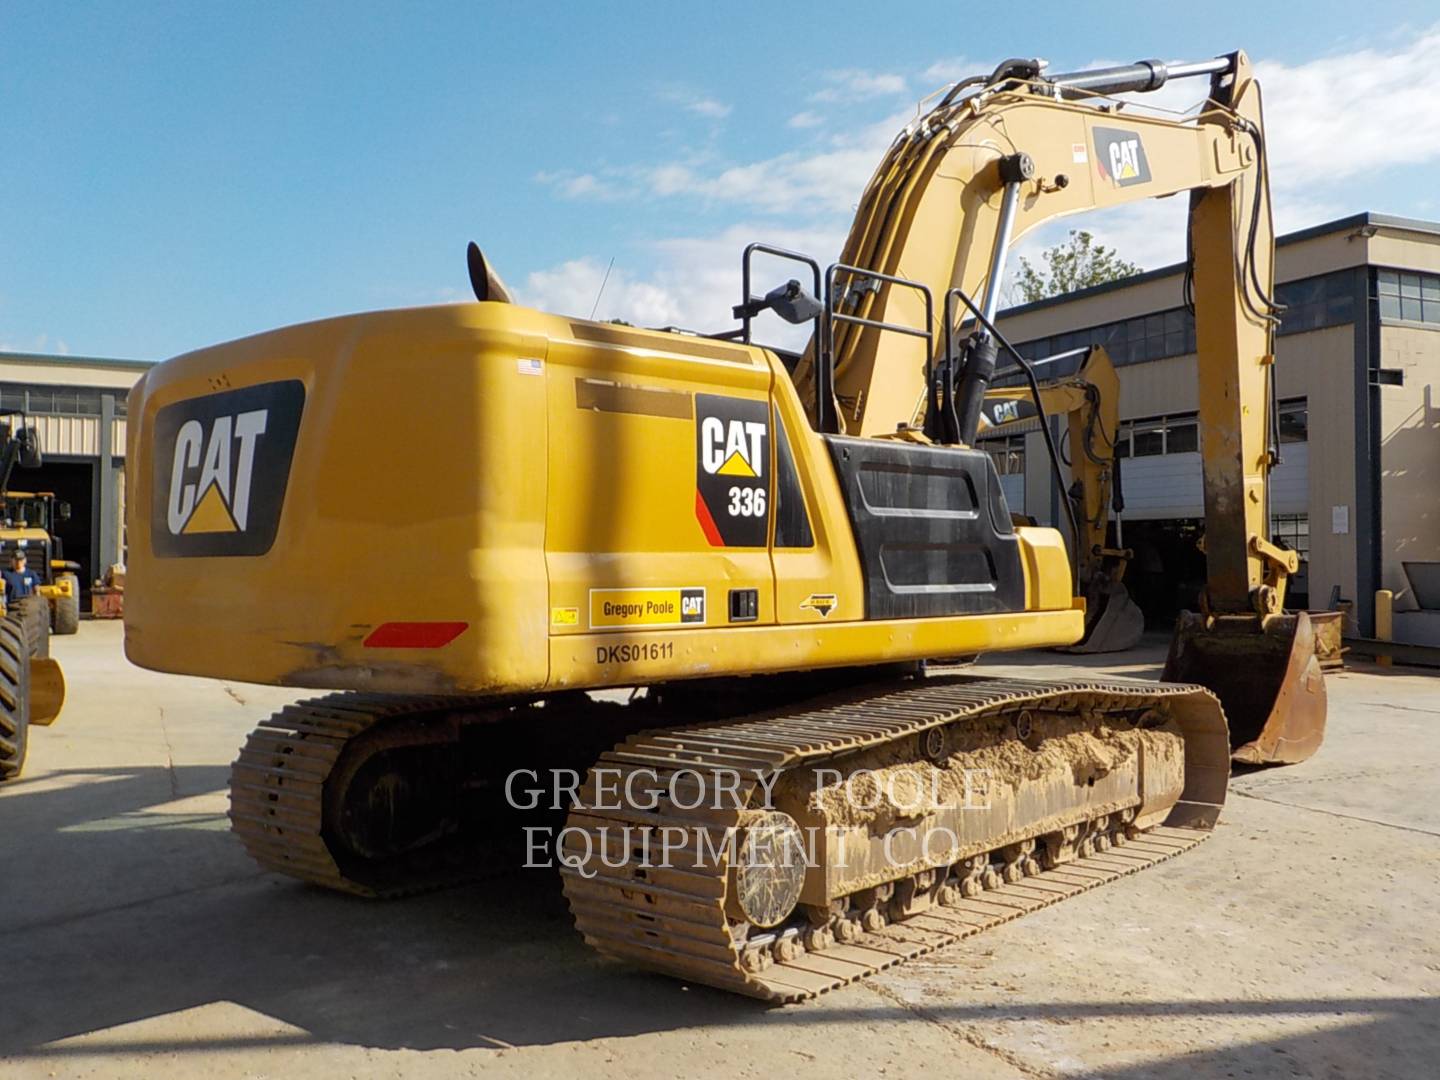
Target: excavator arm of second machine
[{"x": 1090, "y": 402}]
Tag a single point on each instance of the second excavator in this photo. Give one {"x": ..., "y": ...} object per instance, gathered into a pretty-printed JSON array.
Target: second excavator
[
  {"x": 1090, "y": 398},
  {"x": 760, "y": 547}
]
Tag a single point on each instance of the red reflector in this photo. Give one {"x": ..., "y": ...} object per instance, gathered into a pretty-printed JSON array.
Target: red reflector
[{"x": 414, "y": 635}]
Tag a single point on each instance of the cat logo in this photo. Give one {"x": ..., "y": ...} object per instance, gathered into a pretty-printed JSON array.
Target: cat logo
[
  {"x": 820, "y": 603},
  {"x": 1002, "y": 411},
  {"x": 225, "y": 476},
  {"x": 732, "y": 448},
  {"x": 732, "y": 485},
  {"x": 221, "y": 464},
  {"x": 1120, "y": 157}
]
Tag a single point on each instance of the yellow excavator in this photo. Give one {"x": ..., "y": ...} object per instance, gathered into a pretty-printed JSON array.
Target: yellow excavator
[
  {"x": 762, "y": 548},
  {"x": 1090, "y": 399}
]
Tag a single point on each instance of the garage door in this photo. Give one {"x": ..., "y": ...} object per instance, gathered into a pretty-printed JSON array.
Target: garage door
[{"x": 1170, "y": 485}]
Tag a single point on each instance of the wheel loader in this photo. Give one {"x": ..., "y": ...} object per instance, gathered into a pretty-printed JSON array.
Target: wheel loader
[
  {"x": 32, "y": 684},
  {"x": 759, "y": 549},
  {"x": 27, "y": 520}
]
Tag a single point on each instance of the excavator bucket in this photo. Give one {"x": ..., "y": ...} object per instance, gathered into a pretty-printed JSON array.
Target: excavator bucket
[
  {"x": 1115, "y": 625},
  {"x": 1268, "y": 680},
  {"x": 47, "y": 691}
]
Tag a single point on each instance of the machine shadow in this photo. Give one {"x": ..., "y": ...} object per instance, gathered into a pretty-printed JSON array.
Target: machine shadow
[
  {"x": 125, "y": 914},
  {"x": 490, "y": 965}
]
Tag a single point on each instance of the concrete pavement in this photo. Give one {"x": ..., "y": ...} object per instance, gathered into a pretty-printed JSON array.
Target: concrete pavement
[{"x": 1300, "y": 940}]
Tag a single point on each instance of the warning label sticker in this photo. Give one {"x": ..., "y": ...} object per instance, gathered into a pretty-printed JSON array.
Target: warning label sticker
[{"x": 628, "y": 608}]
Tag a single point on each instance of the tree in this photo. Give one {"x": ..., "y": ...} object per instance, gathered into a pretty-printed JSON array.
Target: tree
[{"x": 1076, "y": 263}]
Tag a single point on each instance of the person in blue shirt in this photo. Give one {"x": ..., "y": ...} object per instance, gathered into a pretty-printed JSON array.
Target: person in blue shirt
[{"x": 19, "y": 582}]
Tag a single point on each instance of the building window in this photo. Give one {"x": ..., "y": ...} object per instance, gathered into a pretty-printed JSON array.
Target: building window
[
  {"x": 1294, "y": 531},
  {"x": 1181, "y": 436},
  {"x": 1311, "y": 304},
  {"x": 1008, "y": 452},
  {"x": 1314, "y": 303},
  {"x": 1294, "y": 421},
  {"x": 1147, "y": 439},
  {"x": 58, "y": 400},
  {"x": 1412, "y": 297}
]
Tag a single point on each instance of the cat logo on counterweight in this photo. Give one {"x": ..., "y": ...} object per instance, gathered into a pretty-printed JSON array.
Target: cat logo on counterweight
[{"x": 221, "y": 465}]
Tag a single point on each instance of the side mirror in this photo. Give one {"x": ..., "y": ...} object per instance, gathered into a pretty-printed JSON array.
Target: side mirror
[
  {"x": 29, "y": 448},
  {"x": 62, "y": 511},
  {"x": 793, "y": 304},
  {"x": 790, "y": 301}
]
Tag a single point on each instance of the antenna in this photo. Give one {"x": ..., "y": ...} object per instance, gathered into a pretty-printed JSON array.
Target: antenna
[{"x": 603, "y": 281}]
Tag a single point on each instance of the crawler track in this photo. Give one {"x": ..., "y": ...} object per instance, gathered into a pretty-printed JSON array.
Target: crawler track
[
  {"x": 283, "y": 806},
  {"x": 680, "y": 918},
  {"x": 359, "y": 793}
]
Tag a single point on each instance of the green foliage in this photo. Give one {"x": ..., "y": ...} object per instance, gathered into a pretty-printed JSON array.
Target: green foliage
[{"x": 1075, "y": 264}]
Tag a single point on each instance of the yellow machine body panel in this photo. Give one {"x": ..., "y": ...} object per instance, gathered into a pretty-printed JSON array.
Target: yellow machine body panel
[{"x": 486, "y": 498}]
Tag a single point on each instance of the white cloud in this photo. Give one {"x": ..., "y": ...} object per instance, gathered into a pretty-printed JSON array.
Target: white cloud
[
  {"x": 699, "y": 104},
  {"x": 952, "y": 69},
  {"x": 1357, "y": 112},
  {"x": 40, "y": 343},
  {"x": 575, "y": 288},
  {"x": 686, "y": 281},
  {"x": 709, "y": 107},
  {"x": 572, "y": 185},
  {"x": 1326, "y": 126},
  {"x": 828, "y": 181},
  {"x": 853, "y": 84}
]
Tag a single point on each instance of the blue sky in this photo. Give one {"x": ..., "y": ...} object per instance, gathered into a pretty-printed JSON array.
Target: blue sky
[{"x": 180, "y": 174}]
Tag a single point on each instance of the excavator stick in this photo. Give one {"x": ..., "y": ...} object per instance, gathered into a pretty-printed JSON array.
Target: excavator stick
[{"x": 1266, "y": 675}]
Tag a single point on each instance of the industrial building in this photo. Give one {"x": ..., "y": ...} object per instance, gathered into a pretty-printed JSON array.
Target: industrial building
[
  {"x": 1357, "y": 367},
  {"x": 78, "y": 406}
]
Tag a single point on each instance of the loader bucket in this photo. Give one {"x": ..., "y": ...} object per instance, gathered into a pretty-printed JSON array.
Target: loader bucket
[
  {"x": 47, "y": 691},
  {"x": 1115, "y": 625},
  {"x": 1268, "y": 680}
]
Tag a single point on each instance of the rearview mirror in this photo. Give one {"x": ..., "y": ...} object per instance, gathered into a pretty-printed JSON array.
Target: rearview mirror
[
  {"x": 793, "y": 304},
  {"x": 29, "y": 448},
  {"x": 62, "y": 511}
]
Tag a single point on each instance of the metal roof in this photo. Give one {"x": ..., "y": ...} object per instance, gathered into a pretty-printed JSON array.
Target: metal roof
[{"x": 75, "y": 361}]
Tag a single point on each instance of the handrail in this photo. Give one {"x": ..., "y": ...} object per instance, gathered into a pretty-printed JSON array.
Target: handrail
[
  {"x": 746, "y": 297},
  {"x": 825, "y": 366}
]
